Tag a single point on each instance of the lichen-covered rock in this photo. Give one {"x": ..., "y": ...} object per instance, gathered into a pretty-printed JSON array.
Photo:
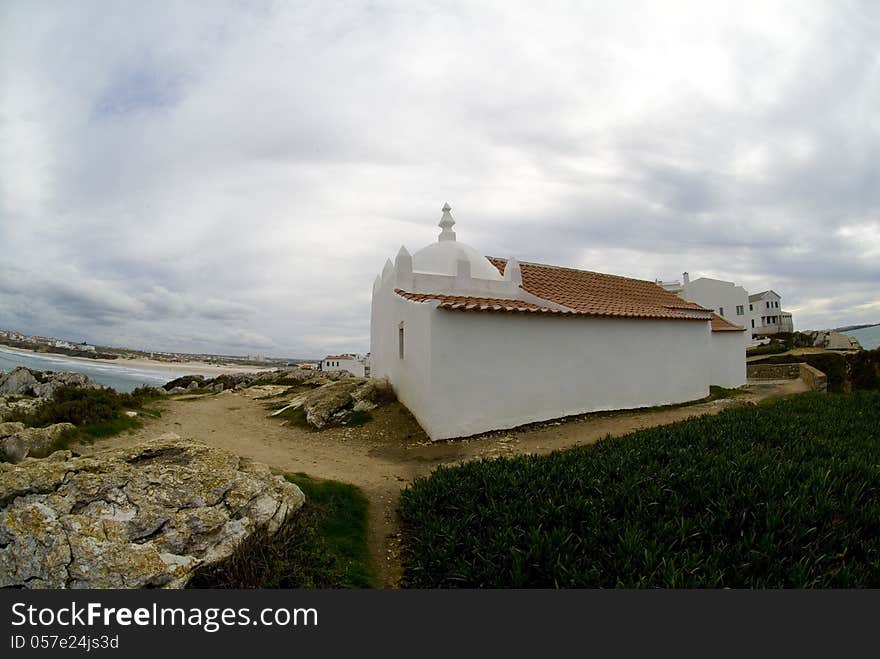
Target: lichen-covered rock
[
  {"x": 32, "y": 442},
  {"x": 10, "y": 428},
  {"x": 65, "y": 378},
  {"x": 17, "y": 382},
  {"x": 145, "y": 516},
  {"x": 333, "y": 403}
]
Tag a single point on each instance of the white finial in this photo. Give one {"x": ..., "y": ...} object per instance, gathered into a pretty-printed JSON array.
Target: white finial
[{"x": 446, "y": 223}]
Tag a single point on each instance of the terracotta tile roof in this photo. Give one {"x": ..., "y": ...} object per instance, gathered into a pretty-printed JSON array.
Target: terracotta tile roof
[
  {"x": 580, "y": 293},
  {"x": 721, "y": 325},
  {"x": 599, "y": 294},
  {"x": 467, "y": 303}
]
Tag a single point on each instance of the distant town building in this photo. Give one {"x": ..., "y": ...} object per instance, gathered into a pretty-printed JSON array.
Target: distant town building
[
  {"x": 471, "y": 343},
  {"x": 354, "y": 364}
]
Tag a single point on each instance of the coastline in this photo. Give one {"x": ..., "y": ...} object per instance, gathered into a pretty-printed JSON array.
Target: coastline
[{"x": 186, "y": 368}]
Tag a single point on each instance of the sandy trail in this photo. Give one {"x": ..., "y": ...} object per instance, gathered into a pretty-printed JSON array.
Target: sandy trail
[{"x": 387, "y": 453}]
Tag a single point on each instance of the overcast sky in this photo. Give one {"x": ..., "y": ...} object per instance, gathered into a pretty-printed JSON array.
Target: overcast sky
[{"x": 230, "y": 177}]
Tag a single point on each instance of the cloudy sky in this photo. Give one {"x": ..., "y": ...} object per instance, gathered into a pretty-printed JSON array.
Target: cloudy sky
[{"x": 229, "y": 177}]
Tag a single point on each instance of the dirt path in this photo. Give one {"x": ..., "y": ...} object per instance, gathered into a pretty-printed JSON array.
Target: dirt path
[{"x": 386, "y": 454}]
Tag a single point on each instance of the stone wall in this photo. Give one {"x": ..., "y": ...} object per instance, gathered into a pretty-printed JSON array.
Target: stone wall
[
  {"x": 773, "y": 371},
  {"x": 815, "y": 379}
]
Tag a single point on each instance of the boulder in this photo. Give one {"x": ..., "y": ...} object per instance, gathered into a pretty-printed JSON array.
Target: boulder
[
  {"x": 31, "y": 442},
  {"x": 54, "y": 380},
  {"x": 19, "y": 381},
  {"x": 333, "y": 403},
  {"x": 137, "y": 517}
]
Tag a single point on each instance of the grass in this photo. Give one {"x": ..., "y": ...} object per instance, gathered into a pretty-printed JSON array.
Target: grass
[
  {"x": 323, "y": 546},
  {"x": 785, "y": 494},
  {"x": 358, "y": 418},
  {"x": 717, "y": 393},
  {"x": 295, "y": 416},
  {"x": 89, "y": 433}
]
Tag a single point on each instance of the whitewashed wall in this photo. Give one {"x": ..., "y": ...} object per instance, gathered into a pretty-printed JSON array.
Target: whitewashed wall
[
  {"x": 492, "y": 371},
  {"x": 727, "y": 358},
  {"x": 410, "y": 377},
  {"x": 353, "y": 366}
]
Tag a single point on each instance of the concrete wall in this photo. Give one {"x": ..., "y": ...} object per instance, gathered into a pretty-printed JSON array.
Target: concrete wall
[
  {"x": 727, "y": 358},
  {"x": 493, "y": 371}
]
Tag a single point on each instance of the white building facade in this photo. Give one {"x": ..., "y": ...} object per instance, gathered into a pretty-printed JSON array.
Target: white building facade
[
  {"x": 354, "y": 364},
  {"x": 767, "y": 316},
  {"x": 472, "y": 344}
]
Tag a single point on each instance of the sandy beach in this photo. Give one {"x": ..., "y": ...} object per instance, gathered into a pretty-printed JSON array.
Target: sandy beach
[{"x": 188, "y": 367}]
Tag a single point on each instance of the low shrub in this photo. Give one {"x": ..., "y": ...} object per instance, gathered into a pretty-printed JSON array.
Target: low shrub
[
  {"x": 80, "y": 406},
  {"x": 769, "y": 349},
  {"x": 322, "y": 546},
  {"x": 864, "y": 369},
  {"x": 358, "y": 418},
  {"x": 778, "y": 495}
]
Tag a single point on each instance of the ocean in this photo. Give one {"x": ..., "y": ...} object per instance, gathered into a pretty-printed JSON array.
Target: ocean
[
  {"x": 869, "y": 337},
  {"x": 121, "y": 378}
]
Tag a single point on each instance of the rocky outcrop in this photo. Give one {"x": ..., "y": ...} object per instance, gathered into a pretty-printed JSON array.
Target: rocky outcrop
[
  {"x": 10, "y": 406},
  {"x": 23, "y": 389},
  {"x": 51, "y": 382},
  {"x": 18, "y": 382},
  {"x": 138, "y": 517},
  {"x": 333, "y": 404},
  {"x": 828, "y": 339},
  {"x": 290, "y": 377},
  {"x": 30, "y": 442}
]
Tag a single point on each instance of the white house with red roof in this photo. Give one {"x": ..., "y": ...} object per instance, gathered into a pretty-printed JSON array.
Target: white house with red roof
[{"x": 473, "y": 343}]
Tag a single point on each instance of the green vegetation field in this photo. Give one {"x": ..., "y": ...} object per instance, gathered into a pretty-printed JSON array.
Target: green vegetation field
[
  {"x": 785, "y": 494},
  {"x": 323, "y": 546}
]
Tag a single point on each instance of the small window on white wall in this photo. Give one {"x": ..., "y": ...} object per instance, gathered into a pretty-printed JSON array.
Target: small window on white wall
[
  {"x": 400, "y": 339},
  {"x": 720, "y": 311}
]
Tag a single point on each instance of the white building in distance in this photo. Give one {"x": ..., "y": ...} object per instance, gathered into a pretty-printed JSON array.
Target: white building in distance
[
  {"x": 760, "y": 314},
  {"x": 767, "y": 316},
  {"x": 354, "y": 364},
  {"x": 471, "y": 343}
]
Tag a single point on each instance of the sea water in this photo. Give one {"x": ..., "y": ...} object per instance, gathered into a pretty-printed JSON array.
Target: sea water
[
  {"x": 121, "y": 378},
  {"x": 868, "y": 337}
]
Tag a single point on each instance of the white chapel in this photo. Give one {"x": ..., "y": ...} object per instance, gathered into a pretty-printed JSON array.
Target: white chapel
[{"x": 473, "y": 343}]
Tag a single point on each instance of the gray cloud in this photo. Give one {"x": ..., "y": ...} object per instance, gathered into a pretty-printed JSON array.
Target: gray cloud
[{"x": 231, "y": 176}]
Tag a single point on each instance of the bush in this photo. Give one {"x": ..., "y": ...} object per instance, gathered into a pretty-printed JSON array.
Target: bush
[
  {"x": 779, "y": 495},
  {"x": 322, "y": 546},
  {"x": 864, "y": 369},
  {"x": 769, "y": 349},
  {"x": 77, "y": 405}
]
